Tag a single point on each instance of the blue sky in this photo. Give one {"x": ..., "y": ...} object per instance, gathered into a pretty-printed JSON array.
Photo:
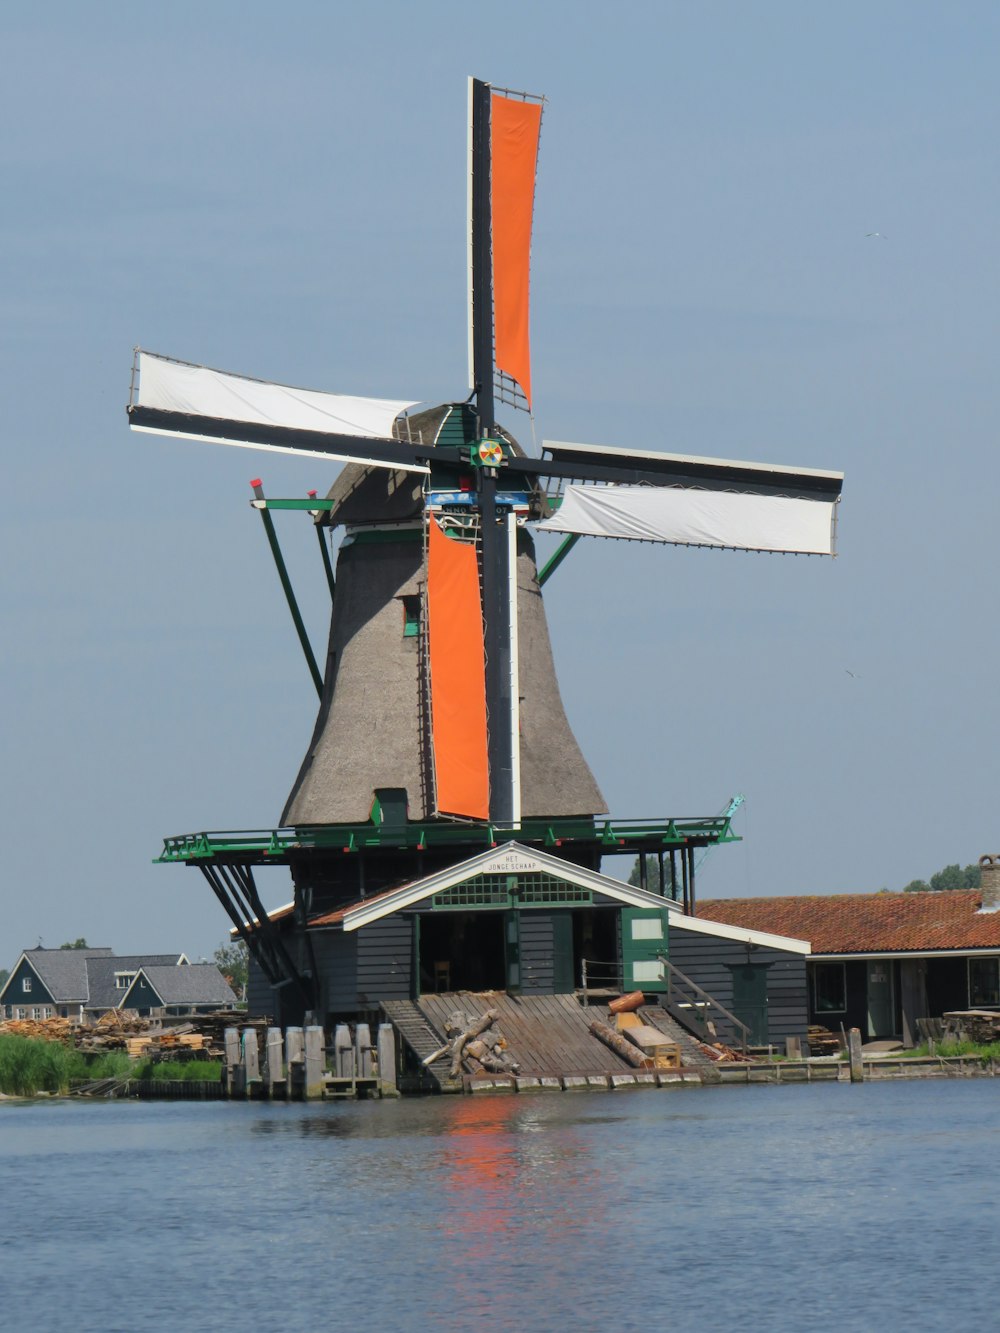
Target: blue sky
[{"x": 283, "y": 194}]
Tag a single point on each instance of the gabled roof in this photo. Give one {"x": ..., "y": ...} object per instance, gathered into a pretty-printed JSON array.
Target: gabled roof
[
  {"x": 876, "y": 923},
  {"x": 196, "y": 983},
  {"x": 510, "y": 858},
  {"x": 63, "y": 972},
  {"x": 101, "y": 973}
]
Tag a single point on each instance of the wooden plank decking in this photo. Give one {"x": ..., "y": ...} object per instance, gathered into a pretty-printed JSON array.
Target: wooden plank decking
[{"x": 548, "y": 1035}]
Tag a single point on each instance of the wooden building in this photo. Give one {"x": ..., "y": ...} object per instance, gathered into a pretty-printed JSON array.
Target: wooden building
[
  {"x": 881, "y": 961},
  {"x": 523, "y": 921}
]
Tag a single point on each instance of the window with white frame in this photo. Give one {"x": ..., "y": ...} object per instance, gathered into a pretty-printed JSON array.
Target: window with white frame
[
  {"x": 829, "y": 988},
  {"x": 984, "y": 983},
  {"x": 26, "y": 984},
  {"x": 123, "y": 980}
]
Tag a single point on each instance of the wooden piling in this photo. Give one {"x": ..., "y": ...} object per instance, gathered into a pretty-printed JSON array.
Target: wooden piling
[
  {"x": 251, "y": 1063},
  {"x": 387, "y": 1078},
  {"x": 314, "y": 1061},
  {"x": 363, "y": 1050},
  {"x": 343, "y": 1052},
  {"x": 232, "y": 1072},
  {"x": 274, "y": 1071},
  {"x": 854, "y": 1054}
]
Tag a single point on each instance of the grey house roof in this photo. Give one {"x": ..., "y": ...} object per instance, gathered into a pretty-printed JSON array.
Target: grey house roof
[
  {"x": 87, "y": 976},
  {"x": 101, "y": 972},
  {"x": 197, "y": 983},
  {"x": 63, "y": 972}
]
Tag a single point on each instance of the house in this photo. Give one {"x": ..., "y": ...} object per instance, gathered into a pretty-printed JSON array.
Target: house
[
  {"x": 524, "y": 921},
  {"x": 82, "y": 984},
  {"x": 881, "y": 961},
  {"x": 198, "y": 988}
]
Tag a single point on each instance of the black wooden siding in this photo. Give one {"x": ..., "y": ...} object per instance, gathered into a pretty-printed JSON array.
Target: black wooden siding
[
  {"x": 537, "y": 943},
  {"x": 260, "y": 996},
  {"x": 707, "y": 960}
]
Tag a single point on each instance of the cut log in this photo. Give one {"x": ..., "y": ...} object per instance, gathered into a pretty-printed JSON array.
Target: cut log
[
  {"x": 462, "y": 1040},
  {"x": 619, "y": 1045},
  {"x": 626, "y": 1004}
]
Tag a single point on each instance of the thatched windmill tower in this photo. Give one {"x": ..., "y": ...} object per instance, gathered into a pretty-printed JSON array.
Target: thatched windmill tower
[{"x": 440, "y": 728}]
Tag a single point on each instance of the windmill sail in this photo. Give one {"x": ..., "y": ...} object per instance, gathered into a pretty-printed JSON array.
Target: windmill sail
[
  {"x": 457, "y": 677},
  {"x": 689, "y": 501},
  {"x": 504, "y": 131},
  {"x": 514, "y": 130},
  {"x": 181, "y": 399},
  {"x": 777, "y": 524}
]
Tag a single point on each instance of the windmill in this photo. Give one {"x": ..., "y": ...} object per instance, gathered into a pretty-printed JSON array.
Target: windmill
[{"x": 454, "y": 732}]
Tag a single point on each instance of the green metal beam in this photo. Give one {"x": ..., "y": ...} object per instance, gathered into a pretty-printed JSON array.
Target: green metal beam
[
  {"x": 277, "y": 846},
  {"x": 310, "y": 504},
  {"x": 557, "y": 557},
  {"x": 286, "y": 584}
]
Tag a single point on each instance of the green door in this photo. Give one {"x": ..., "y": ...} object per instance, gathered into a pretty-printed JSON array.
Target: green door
[
  {"x": 512, "y": 951},
  {"x": 643, "y": 938},
  {"x": 750, "y": 999},
  {"x": 563, "y": 979}
]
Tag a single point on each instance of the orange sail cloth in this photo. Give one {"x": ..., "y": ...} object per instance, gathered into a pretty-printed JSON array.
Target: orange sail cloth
[
  {"x": 514, "y": 131},
  {"x": 458, "y": 677}
]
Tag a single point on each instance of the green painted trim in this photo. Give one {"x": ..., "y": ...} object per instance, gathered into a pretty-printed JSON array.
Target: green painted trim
[
  {"x": 311, "y": 504},
  {"x": 293, "y": 606},
  {"x": 279, "y": 846},
  {"x": 557, "y": 557}
]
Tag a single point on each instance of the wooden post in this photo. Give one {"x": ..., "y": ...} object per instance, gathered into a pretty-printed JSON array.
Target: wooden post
[
  {"x": 251, "y": 1062},
  {"x": 854, "y": 1053},
  {"x": 363, "y": 1050},
  {"x": 343, "y": 1052},
  {"x": 314, "y": 1062},
  {"x": 231, "y": 1070},
  {"x": 294, "y": 1060},
  {"x": 274, "y": 1072},
  {"x": 793, "y": 1048},
  {"x": 387, "y": 1080}
]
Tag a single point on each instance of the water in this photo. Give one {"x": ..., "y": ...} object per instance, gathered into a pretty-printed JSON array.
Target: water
[{"x": 791, "y": 1208}]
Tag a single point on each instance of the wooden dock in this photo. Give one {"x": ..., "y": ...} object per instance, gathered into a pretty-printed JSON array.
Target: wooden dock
[{"x": 548, "y": 1035}]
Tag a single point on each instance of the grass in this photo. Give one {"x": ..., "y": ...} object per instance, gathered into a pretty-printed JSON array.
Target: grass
[
  {"x": 29, "y": 1067},
  {"x": 953, "y": 1048}
]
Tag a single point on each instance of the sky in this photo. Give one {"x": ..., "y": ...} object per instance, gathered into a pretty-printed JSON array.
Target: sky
[{"x": 281, "y": 193}]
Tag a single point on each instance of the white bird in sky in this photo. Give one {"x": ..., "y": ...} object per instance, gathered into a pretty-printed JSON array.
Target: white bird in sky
[{"x": 880, "y": 234}]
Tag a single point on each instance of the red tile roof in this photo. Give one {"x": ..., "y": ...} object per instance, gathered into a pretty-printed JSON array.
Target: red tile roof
[{"x": 867, "y": 922}]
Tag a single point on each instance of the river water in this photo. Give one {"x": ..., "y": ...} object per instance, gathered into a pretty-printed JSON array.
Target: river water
[{"x": 777, "y": 1208}]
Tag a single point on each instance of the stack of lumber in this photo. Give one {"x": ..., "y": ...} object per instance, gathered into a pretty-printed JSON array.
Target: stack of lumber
[
  {"x": 981, "y": 1026},
  {"x": 723, "y": 1054},
  {"x": 39, "y": 1029},
  {"x": 822, "y": 1041}
]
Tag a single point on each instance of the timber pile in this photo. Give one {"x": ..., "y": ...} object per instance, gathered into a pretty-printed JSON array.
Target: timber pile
[
  {"x": 39, "y": 1029},
  {"x": 723, "y": 1054},
  {"x": 477, "y": 1039},
  {"x": 981, "y": 1026},
  {"x": 822, "y": 1041}
]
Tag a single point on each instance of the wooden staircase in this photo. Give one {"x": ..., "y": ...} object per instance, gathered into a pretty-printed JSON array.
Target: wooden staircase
[{"x": 422, "y": 1039}]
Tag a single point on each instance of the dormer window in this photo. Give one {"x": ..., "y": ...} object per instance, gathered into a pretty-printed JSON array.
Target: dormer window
[{"x": 124, "y": 979}]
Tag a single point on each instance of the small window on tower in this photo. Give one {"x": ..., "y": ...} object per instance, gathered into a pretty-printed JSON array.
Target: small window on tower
[{"x": 411, "y": 617}]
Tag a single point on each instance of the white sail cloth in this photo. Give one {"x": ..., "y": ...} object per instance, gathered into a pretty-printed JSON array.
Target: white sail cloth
[
  {"x": 687, "y": 517},
  {"x": 175, "y": 386}
]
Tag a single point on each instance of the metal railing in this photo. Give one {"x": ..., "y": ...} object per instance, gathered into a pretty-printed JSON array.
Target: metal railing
[
  {"x": 691, "y": 1005},
  {"x": 597, "y": 976}
]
